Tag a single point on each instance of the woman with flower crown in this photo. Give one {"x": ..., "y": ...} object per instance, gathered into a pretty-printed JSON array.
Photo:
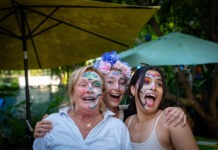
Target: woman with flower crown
[{"x": 117, "y": 75}]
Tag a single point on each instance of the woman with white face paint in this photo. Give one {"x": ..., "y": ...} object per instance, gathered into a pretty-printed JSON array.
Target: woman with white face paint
[
  {"x": 85, "y": 123},
  {"x": 117, "y": 75},
  {"x": 147, "y": 128}
]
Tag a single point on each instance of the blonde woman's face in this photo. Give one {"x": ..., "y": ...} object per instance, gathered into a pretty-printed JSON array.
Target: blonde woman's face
[
  {"x": 88, "y": 90},
  {"x": 115, "y": 83}
]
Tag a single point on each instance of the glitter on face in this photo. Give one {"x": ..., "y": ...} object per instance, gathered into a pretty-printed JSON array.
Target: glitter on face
[
  {"x": 115, "y": 82},
  {"x": 152, "y": 83},
  {"x": 115, "y": 79},
  {"x": 92, "y": 83}
]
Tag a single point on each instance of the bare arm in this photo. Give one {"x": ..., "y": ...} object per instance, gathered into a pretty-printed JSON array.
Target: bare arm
[
  {"x": 175, "y": 116},
  {"x": 182, "y": 138},
  {"x": 42, "y": 127}
]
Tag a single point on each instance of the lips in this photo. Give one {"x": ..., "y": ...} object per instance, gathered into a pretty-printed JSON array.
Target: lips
[
  {"x": 113, "y": 95},
  {"x": 89, "y": 98},
  {"x": 150, "y": 99}
]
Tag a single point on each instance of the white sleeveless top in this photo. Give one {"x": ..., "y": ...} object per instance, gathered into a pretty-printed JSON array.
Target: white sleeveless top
[{"x": 151, "y": 143}]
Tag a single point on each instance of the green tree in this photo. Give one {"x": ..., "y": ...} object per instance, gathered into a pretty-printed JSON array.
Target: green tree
[{"x": 198, "y": 18}]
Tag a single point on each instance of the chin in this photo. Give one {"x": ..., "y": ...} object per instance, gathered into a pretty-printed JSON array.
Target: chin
[{"x": 114, "y": 104}]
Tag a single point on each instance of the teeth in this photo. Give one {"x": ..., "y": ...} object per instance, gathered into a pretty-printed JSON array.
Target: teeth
[
  {"x": 89, "y": 98},
  {"x": 151, "y": 95},
  {"x": 115, "y": 94}
]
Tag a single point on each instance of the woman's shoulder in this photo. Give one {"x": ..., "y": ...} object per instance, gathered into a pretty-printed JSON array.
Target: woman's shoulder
[
  {"x": 52, "y": 116},
  {"x": 56, "y": 116},
  {"x": 129, "y": 119},
  {"x": 115, "y": 122}
]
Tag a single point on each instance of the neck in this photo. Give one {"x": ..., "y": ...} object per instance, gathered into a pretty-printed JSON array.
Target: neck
[
  {"x": 85, "y": 116},
  {"x": 142, "y": 116},
  {"x": 114, "y": 110}
]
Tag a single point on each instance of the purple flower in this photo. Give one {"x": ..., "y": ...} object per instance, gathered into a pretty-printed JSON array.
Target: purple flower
[{"x": 110, "y": 57}]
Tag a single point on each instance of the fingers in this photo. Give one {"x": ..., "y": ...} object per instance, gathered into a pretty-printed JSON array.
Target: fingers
[
  {"x": 184, "y": 121},
  {"x": 175, "y": 116},
  {"x": 45, "y": 116},
  {"x": 170, "y": 114},
  {"x": 41, "y": 128},
  {"x": 172, "y": 117},
  {"x": 38, "y": 134},
  {"x": 179, "y": 120}
]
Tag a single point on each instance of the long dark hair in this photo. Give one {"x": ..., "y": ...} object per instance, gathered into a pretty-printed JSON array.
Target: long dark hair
[{"x": 138, "y": 77}]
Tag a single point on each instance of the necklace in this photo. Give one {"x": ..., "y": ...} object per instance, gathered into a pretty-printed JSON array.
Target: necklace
[{"x": 85, "y": 125}]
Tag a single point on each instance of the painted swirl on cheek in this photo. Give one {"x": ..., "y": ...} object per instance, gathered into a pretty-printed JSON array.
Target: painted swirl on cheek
[
  {"x": 142, "y": 97},
  {"x": 93, "y": 105}
]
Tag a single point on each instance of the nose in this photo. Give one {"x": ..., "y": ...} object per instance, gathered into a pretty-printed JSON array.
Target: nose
[
  {"x": 89, "y": 88},
  {"x": 153, "y": 86},
  {"x": 116, "y": 86}
]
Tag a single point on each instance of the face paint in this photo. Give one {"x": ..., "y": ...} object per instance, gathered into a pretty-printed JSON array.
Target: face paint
[
  {"x": 91, "y": 85},
  {"x": 153, "y": 74},
  {"x": 90, "y": 75},
  {"x": 115, "y": 79},
  {"x": 115, "y": 88},
  {"x": 151, "y": 90},
  {"x": 91, "y": 106}
]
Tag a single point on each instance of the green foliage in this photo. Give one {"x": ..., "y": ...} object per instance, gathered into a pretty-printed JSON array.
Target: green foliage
[
  {"x": 12, "y": 127},
  {"x": 9, "y": 84},
  {"x": 54, "y": 105}
]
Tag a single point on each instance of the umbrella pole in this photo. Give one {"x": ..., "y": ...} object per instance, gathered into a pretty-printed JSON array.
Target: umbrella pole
[
  {"x": 177, "y": 85},
  {"x": 28, "y": 113},
  {"x": 29, "y": 137}
]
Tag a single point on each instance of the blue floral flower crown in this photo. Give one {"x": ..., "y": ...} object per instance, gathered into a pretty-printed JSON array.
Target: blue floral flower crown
[{"x": 110, "y": 60}]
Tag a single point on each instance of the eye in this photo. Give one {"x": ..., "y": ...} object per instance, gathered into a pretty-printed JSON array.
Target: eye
[
  {"x": 82, "y": 84},
  {"x": 147, "y": 81},
  {"x": 96, "y": 84},
  {"x": 122, "y": 81},
  {"x": 159, "y": 84},
  {"x": 110, "y": 81}
]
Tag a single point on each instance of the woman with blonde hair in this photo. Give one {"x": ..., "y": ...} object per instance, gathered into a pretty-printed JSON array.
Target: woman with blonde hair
[{"x": 85, "y": 123}]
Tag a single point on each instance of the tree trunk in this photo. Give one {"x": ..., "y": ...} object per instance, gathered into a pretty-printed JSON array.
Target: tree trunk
[{"x": 209, "y": 115}]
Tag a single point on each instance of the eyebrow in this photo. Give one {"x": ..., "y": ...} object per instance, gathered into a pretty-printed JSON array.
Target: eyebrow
[
  {"x": 110, "y": 77},
  {"x": 157, "y": 78}
]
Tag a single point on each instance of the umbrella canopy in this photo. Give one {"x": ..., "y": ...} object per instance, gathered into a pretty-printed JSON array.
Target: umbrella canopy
[
  {"x": 57, "y": 33},
  {"x": 173, "y": 49}
]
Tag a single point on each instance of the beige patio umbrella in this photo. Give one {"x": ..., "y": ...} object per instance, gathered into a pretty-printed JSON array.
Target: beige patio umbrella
[
  {"x": 49, "y": 33},
  {"x": 63, "y": 32}
]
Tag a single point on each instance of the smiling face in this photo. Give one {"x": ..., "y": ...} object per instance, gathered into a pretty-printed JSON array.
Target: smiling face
[
  {"x": 151, "y": 92},
  {"x": 88, "y": 90},
  {"x": 115, "y": 83}
]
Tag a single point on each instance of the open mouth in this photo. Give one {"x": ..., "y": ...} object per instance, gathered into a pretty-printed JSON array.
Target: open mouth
[
  {"x": 115, "y": 96},
  {"x": 89, "y": 98},
  {"x": 93, "y": 100},
  {"x": 149, "y": 100}
]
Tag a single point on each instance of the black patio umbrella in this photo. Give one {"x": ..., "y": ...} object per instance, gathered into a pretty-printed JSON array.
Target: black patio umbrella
[{"x": 49, "y": 33}]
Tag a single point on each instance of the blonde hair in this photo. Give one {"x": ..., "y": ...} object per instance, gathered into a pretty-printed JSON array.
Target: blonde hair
[{"x": 75, "y": 77}]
